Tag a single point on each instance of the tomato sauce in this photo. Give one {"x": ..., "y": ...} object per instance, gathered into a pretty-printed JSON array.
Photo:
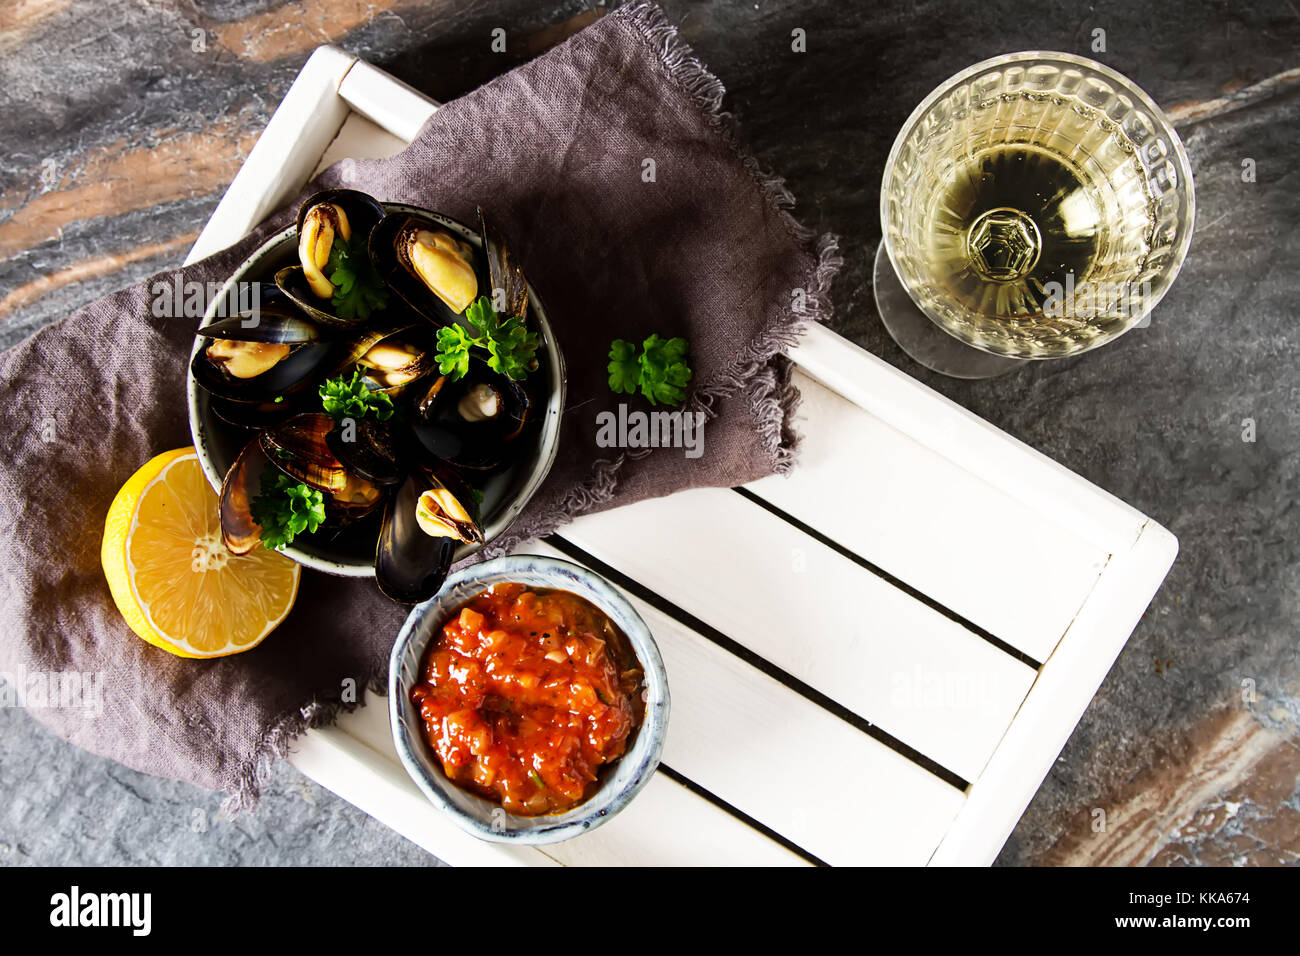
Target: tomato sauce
[{"x": 525, "y": 694}]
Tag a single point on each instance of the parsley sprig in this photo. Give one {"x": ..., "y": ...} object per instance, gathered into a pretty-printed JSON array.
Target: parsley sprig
[
  {"x": 660, "y": 372},
  {"x": 511, "y": 349},
  {"x": 358, "y": 289},
  {"x": 285, "y": 508},
  {"x": 342, "y": 398}
]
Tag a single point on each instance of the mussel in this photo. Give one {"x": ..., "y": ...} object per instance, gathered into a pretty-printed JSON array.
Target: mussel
[
  {"x": 430, "y": 516},
  {"x": 241, "y": 485},
  {"x": 299, "y": 447},
  {"x": 369, "y": 448},
  {"x": 431, "y": 268},
  {"x": 329, "y": 219},
  {"x": 473, "y": 421},
  {"x": 260, "y": 355},
  {"x": 394, "y": 361},
  {"x": 319, "y": 227},
  {"x": 509, "y": 289},
  {"x": 255, "y": 415}
]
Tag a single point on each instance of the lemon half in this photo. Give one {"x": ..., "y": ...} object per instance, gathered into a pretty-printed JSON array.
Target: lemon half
[{"x": 172, "y": 578}]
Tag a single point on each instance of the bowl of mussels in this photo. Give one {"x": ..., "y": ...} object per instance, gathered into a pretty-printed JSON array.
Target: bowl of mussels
[{"x": 386, "y": 403}]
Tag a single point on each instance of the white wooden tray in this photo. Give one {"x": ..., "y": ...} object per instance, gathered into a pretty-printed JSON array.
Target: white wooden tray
[{"x": 881, "y": 670}]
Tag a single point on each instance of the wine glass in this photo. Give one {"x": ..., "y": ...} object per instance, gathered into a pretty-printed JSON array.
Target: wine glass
[{"x": 1035, "y": 205}]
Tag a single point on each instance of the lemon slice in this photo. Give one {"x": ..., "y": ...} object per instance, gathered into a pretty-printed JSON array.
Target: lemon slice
[{"x": 172, "y": 578}]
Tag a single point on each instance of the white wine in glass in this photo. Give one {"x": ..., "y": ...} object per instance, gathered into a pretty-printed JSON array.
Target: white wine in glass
[{"x": 1034, "y": 206}]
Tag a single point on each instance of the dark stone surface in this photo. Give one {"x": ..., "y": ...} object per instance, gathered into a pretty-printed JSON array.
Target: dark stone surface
[
  {"x": 121, "y": 138},
  {"x": 65, "y": 807}
]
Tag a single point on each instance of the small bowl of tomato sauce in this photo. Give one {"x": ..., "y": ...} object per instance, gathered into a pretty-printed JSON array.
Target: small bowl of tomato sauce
[{"x": 528, "y": 699}]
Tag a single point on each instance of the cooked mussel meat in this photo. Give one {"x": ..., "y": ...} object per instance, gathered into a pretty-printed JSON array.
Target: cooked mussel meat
[
  {"x": 442, "y": 262},
  {"x": 472, "y": 422},
  {"x": 425, "y": 522},
  {"x": 319, "y": 227},
  {"x": 430, "y": 267},
  {"x": 440, "y": 514},
  {"x": 259, "y": 355},
  {"x": 246, "y": 360},
  {"x": 395, "y": 362}
]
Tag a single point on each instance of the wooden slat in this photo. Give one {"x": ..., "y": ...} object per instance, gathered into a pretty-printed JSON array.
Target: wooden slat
[
  {"x": 968, "y": 441},
  {"x": 965, "y": 543},
  {"x": 1064, "y": 688},
  {"x": 667, "y": 825},
  {"x": 365, "y": 778},
  {"x": 359, "y": 138},
  {"x": 919, "y": 676},
  {"x": 386, "y": 101},
  {"x": 788, "y": 763}
]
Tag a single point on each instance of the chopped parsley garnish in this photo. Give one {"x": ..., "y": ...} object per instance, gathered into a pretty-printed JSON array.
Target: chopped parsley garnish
[
  {"x": 659, "y": 372},
  {"x": 358, "y": 289},
  {"x": 352, "y": 398},
  {"x": 511, "y": 349},
  {"x": 285, "y": 508}
]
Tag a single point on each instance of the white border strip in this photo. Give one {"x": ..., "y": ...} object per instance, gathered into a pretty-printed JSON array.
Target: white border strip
[{"x": 386, "y": 101}]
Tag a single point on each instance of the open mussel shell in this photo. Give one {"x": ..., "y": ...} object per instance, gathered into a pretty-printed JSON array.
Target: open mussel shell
[
  {"x": 472, "y": 423},
  {"x": 257, "y": 415},
  {"x": 430, "y": 516},
  {"x": 242, "y": 484},
  {"x": 293, "y": 372},
  {"x": 261, "y": 354},
  {"x": 299, "y": 447},
  {"x": 322, "y": 221},
  {"x": 277, "y": 320},
  {"x": 507, "y": 287},
  {"x": 368, "y": 448},
  {"x": 362, "y": 210},
  {"x": 393, "y": 359},
  {"x": 435, "y": 271}
]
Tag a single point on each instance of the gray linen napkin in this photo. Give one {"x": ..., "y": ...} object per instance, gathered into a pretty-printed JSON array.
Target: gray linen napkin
[{"x": 557, "y": 151}]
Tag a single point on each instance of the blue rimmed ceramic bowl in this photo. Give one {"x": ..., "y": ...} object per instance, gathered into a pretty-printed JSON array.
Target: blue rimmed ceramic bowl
[{"x": 619, "y": 782}]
